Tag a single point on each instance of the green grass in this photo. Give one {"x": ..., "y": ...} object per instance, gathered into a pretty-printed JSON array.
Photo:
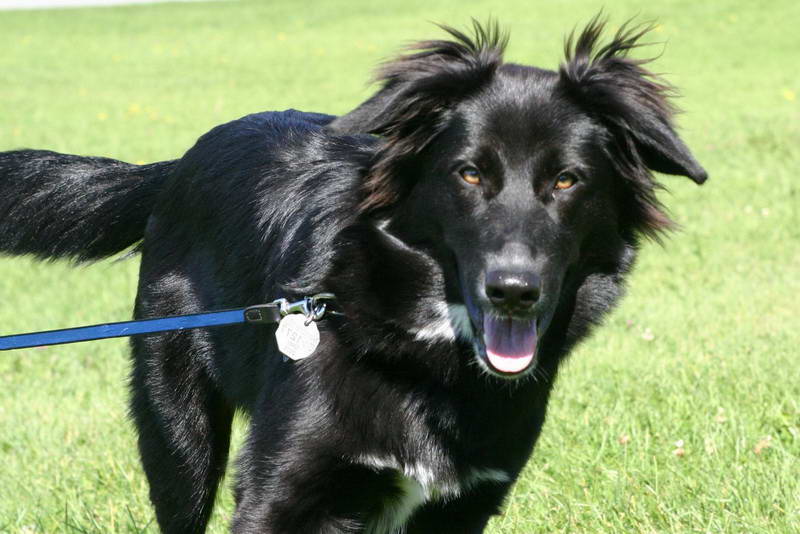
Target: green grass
[{"x": 703, "y": 352}]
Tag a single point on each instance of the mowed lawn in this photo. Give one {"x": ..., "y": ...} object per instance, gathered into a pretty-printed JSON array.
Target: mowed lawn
[{"x": 681, "y": 414}]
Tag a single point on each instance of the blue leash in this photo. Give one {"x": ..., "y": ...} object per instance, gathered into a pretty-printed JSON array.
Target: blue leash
[{"x": 259, "y": 314}]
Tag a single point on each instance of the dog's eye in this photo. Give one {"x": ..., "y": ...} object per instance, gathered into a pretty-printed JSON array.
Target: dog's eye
[
  {"x": 565, "y": 180},
  {"x": 470, "y": 175}
]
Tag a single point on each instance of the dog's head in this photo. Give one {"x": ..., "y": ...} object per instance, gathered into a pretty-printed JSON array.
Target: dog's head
[{"x": 514, "y": 177}]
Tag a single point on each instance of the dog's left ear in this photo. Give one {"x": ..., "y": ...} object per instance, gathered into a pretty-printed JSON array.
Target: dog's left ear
[{"x": 631, "y": 101}]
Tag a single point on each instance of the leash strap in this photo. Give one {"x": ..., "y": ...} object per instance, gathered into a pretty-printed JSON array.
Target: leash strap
[{"x": 270, "y": 313}]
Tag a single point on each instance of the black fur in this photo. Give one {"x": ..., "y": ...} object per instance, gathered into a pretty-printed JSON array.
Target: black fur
[
  {"x": 62, "y": 206},
  {"x": 400, "y": 420}
]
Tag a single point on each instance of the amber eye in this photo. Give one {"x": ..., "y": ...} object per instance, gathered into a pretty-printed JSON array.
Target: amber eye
[
  {"x": 565, "y": 181},
  {"x": 470, "y": 175}
]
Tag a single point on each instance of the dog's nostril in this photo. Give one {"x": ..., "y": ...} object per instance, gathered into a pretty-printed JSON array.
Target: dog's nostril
[
  {"x": 495, "y": 293},
  {"x": 529, "y": 297}
]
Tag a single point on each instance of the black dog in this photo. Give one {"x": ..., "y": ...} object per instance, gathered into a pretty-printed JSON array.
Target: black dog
[{"x": 472, "y": 239}]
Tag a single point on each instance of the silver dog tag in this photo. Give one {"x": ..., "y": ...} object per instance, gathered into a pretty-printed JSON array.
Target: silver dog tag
[{"x": 296, "y": 339}]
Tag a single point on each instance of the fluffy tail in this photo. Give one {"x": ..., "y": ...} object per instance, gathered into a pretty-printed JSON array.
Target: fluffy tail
[{"x": 61, "y": 206}]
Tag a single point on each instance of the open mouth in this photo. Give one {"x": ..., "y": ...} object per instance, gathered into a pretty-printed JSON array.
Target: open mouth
[
  {"x": 505, "y": 345},
  {"x": 509, "y": 344}
]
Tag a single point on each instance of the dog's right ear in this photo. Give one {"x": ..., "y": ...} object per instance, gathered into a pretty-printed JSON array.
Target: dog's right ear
[
  {"x": 419, "y": 92},
  {"x": 365, "y": 117},
  {"x": 449, "y": 68}
]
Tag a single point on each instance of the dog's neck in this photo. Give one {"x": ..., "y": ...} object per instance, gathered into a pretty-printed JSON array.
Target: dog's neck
[
  {"x": 396, "y": 295},
  {"x": 384, "y": 280}
]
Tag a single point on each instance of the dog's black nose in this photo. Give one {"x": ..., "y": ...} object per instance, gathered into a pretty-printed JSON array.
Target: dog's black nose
[{"x": 513, "y": 291}]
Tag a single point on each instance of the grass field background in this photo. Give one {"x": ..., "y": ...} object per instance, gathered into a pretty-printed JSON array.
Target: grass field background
[{"x": 682, "y": 414}]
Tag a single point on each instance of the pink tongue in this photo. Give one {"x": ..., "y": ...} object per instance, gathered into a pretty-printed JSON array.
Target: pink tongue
[{"x": 510, "y": 343}]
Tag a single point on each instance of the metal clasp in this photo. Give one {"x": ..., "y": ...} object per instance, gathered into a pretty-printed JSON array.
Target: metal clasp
[{"x": 313, "y": 308}]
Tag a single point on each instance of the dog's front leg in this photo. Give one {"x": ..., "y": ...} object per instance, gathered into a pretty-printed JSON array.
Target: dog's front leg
[
  {"x": 312, "y": 493},
  {"x": 466, "y": 514}
]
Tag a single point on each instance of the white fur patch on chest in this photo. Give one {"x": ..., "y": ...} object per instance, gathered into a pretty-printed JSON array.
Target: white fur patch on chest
[
  {"x": 418, "y": 484},
  {"x": 396, "y": 512},
  {"x": 447, "y": 322}
]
